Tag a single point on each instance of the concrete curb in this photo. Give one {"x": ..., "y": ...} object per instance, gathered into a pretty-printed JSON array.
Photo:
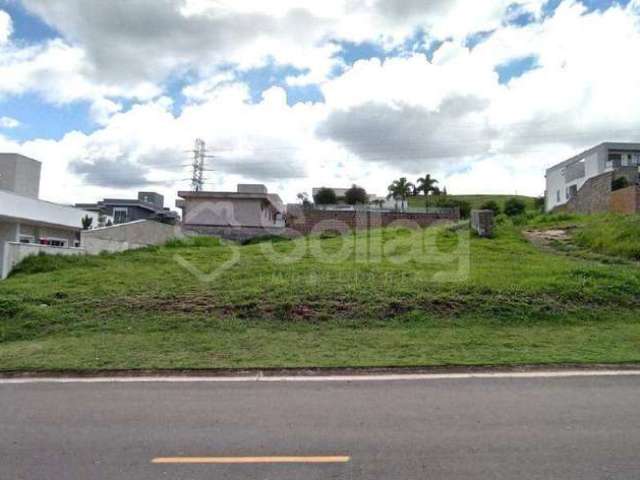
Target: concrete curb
[{"x": 318, "y": 372}]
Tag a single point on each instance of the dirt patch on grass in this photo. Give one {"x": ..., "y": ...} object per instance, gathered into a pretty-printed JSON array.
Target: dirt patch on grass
[{"x": 550, "y": 238}]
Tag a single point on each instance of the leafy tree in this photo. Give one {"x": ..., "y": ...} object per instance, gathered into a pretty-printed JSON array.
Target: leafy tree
[
  {"x": 426, "y": 184},
  {"x": 400, "y": 189},
  {"x": 87, "y": 221},
  {"x": 325, "y": 196},
  {"x": 304, "y": 199},
  {"x": 514, "y": 206},
  {"x": 491, "y": 205},
  {"x": 356, "y": 195}
]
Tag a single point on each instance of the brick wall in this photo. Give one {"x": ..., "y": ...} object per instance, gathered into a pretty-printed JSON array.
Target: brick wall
[
  {"x": 625, "y": 200},
  {"x": 596, "y": 196},
  {"x": 593, "y": 197},
  {"x": 308, "y": 221}
]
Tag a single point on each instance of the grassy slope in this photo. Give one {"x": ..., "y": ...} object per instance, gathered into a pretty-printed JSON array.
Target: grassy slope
[
  {"x": 142, "y": 310},
  {"x": 477, "y": 201}
]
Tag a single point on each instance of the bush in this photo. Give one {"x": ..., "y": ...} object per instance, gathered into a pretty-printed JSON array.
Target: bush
[
  {"x": 491, "y": 205},
  {"x": 539, "y": 204},
  {"x": 514, "y": 206},
  {"x": 325, "y": 196},
  {"x": 619, "y": 183},
  {"x": 356, "y": 195},
  {"x": 447, "y": 202}
]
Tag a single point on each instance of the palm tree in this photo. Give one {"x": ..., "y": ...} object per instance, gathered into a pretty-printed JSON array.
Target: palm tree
[
  {"x": 400, "y": 189},
  {"x": 427, "y": 184}
]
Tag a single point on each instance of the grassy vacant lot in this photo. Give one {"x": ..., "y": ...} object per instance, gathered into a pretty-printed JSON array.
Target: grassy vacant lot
[
  {"x": 378, "y": 299},
  {"x": 477, "y": 201}
]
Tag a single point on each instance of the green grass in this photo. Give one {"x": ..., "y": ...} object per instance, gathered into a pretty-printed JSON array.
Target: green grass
[
  {"x": 477, "y": 201},
  {"x": 615, "y": 235},
  {"x": 385, "y": 300}
]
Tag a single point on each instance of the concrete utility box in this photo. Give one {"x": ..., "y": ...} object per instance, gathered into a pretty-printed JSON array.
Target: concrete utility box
[
  {"x": 20, "y": 174},
  {"x": 483, "y": 222}
]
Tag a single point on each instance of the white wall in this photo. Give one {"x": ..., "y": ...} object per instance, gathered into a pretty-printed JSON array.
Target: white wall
[
  {"x": 128, "y": 236},
  {"x": 32, "y": 210},
  {"x": 556, "y": 181}
]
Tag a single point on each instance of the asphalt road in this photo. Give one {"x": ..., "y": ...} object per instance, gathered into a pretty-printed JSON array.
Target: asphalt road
[{"x": 510, "y": 428}]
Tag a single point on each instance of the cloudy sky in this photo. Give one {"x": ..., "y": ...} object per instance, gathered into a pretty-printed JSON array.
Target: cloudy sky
[{"x": 484, "y": 95}]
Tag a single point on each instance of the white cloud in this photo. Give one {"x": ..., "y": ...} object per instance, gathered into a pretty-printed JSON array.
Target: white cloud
[
  {"x": 381, "y": 119},
  {"x": 6, "y": 27},
  {"x": 9, "y": 122}
]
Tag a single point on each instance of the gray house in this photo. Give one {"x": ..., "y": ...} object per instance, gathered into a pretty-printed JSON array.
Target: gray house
[
  {"x": 250, "y": 211},
  {"x": 148, "y": 206}
]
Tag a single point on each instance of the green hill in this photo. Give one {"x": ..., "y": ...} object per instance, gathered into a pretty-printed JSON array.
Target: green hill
[{"x": 376, "y": 299}]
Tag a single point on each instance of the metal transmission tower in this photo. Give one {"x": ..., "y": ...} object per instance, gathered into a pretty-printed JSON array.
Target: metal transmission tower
[{"x": 199, "y": 155}]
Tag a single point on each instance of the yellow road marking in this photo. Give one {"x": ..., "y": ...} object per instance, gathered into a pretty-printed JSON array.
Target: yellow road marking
[{"x": 241, "y": 460}]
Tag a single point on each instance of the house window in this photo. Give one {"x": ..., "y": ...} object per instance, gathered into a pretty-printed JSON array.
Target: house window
[
  {"x": 558, "y": 196},
  {"x": 120, "y": 214},
  {"x": 53, "y": 242},
  {"x": 27, "y": 239}
]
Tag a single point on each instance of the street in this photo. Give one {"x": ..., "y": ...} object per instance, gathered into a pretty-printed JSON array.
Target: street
[{"x": 475, "y": 428}]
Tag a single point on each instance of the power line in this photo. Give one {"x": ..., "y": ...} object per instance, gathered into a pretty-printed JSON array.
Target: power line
[{"x": 199, "y": 158}]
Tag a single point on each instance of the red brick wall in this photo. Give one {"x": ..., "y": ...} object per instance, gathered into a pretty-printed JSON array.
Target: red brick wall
[
  {"x": 305, "y": 221},
  {"x": 625, "y": 200}
]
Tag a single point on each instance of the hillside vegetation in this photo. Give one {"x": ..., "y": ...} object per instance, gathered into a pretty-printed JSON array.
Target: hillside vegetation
[
  {"x": 381, "y": 298},
  {"x": 477, "y": 201}
]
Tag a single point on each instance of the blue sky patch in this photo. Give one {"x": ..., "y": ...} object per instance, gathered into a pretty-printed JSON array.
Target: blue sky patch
[
  {"x": 273, "y": 75},
  {"x": 477, "y": 38},
  {"x": 27, "y": 28},
  {"x": 352, "y": 52},
  {"x": 42, "y": 120},
  {"x": 515, "y": 68}
]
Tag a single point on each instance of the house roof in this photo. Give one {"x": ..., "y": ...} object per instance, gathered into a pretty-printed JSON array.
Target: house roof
[
  {"x": 273, "y": 199},
  {"x": 115, "y": 202},
  {"x": 25, "y": 209},
  {"x": 629, "y": 147}
]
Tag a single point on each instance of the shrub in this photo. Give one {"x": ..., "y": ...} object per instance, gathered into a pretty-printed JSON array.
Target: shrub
[
  {"x": 514, "y": 206},
  {"x": 356, "y": 195},
  {"x": 491, "y": 205},
  {"x": 448, "y": 202},
  {"x": 539, "y": 204},
  {"x": 325, "y": 196},
  {"x": 619, "y": 183}
]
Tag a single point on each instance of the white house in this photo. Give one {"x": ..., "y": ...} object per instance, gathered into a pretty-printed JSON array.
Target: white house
[
  {"x": 29, "y": 225},
  {"x": 565, "y": 179}
]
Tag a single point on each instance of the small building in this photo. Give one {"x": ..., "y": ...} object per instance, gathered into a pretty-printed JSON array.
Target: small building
[
  {"x": 602, "y": 162},
  {"x": 29, "y": 225},
  {"x": 148, "y": 206},
  {"x": 251, "y": 209}
]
